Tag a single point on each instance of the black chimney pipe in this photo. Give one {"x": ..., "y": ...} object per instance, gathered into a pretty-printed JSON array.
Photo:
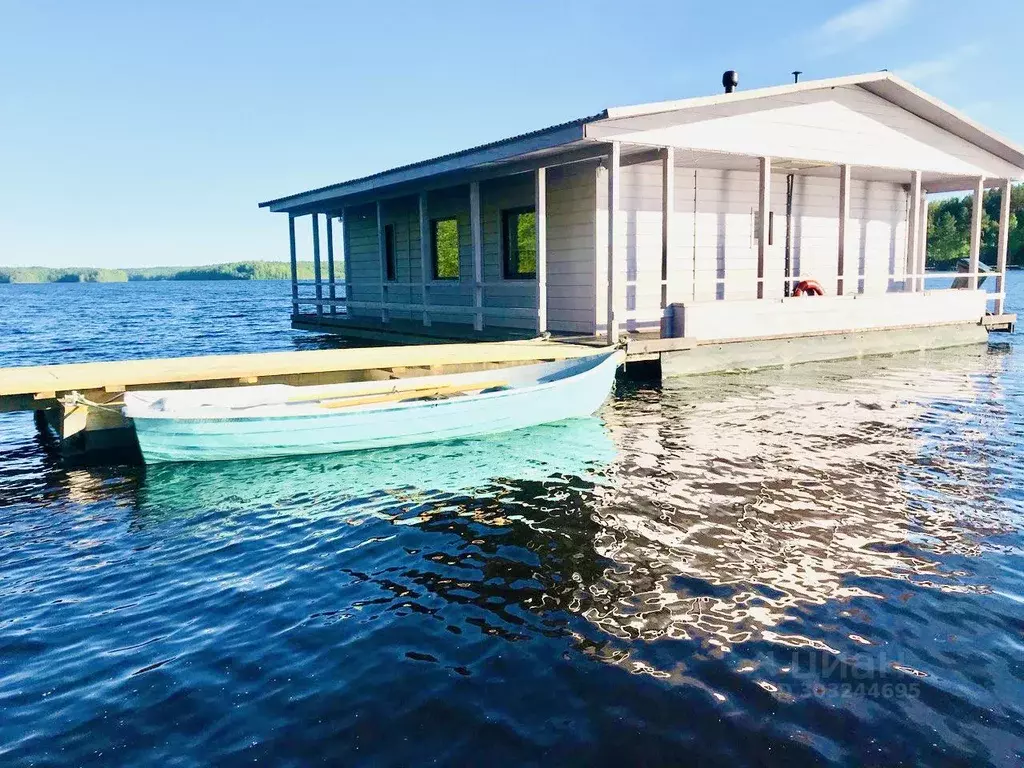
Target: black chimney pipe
[{"x": 730, "y": 80}]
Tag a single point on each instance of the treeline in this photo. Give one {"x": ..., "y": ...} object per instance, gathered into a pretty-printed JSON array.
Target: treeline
[
  {"x": 949, "y": 228},
  {"x": 239, "y": 270}
]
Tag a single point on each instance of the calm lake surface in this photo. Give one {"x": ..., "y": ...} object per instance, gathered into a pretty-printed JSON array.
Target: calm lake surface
[{"x": 815, "y": 566}]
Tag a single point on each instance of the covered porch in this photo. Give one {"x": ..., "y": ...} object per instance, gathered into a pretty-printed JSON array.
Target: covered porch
[
  {"x": 758, "y": 227},
  {"x": 386, "y": 282}
]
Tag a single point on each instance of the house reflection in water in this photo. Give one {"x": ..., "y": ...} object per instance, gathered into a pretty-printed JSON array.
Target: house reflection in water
[{"x": 739, "y": 500}]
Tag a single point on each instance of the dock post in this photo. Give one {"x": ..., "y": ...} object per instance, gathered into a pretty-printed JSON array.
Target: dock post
[
  {"x": 613, "y": 235},
  {"x": 541, "y": 233},
  {"x": 977, "y": 212},
  {"x": 476, "y": 235},
  {"x": 330, "y": 263},
  {"x": 294, "y": 264},
  {"x": 1003, "y": 246},
  {"x": 316, "y": 265}
]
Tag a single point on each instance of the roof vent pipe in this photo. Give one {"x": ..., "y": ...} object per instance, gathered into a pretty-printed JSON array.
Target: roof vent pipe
[
  {"x": 796, "y": 75},
  {"x": 730, "y": 80}
]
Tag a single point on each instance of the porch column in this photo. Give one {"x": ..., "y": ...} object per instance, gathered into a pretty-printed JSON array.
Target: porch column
[
  {"x": 541, "y": 230},
  {"x": 330, "y": 264},
  {"x": 668, "y": 196},
  {"x": 1003, "y": 246},
  {"x": 976, "y": 215},
  {"x": 922, "y": 243},
  {"x": 382, "y": 257},
  {"x": 476, "y": 233},
  {"x": 613, "y": 231},
  {"x": 764, "y": 197},
  {"x": 346, "y": 253},
  {"x": 844, "y": 222},
  {"x": 424, "y": 255},
  {"x": 295, "y": 266},
  {"x": 316, "y": 265},
  {"x": 915, "y": 234}
]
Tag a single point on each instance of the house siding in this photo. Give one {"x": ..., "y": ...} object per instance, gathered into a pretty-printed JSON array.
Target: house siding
[
  {"x": 570, "y": 253},
  {"x": 714, "y": 217},
  {"x": 572, "y": 267}
]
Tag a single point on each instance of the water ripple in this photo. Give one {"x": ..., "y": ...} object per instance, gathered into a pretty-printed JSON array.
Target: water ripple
[{"x": 815, "y": 566}]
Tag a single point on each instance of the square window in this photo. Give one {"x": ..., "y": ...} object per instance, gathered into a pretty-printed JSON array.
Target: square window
[
  {"x": 444, "y": 248},
  {"x": 519, "y": 243}
]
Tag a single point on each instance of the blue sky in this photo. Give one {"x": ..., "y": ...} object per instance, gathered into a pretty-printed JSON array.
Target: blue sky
[{"x": 144, "y": 133}]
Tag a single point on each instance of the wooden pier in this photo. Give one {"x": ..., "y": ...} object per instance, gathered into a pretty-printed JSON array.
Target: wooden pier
[{"x": 44, "y": 389}]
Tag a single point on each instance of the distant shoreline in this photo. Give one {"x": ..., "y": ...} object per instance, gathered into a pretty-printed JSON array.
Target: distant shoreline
[{"x": 236, "y": 270}]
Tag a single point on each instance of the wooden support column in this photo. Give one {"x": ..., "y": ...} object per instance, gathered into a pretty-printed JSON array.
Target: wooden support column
[
  {"x": 346, "y": 252},
  {"x": 668, "y": 197},
  {"x": 614, "y": 157},
  {"x": 844, "y": 223},
  {"x": 330, "y": 264},
  {"x": 1003, "y": 245},
  {"x": 425, "y": 269},
  {"x": 764, "y": 198},
  {"x": 977, "y": 212},
  {"x": 915, "y": 234},
  {"x": 541, "y": 216},
  {"x": 922, "y": 243},
  {"x": 294, "y": 264},
  {"x": 316, "y": 265},
  {"x": 382, "y": 253},
  {"x": 476, "y": 233}
]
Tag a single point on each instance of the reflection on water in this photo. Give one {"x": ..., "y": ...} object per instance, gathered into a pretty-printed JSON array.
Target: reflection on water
[
  {"x": 774, "y": 489},
  {"x": 820, "y": 565},
  {"x": 374, "y": 481}
]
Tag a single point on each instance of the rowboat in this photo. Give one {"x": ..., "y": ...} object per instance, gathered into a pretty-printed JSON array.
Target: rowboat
[{"x": 280, "y": 420}]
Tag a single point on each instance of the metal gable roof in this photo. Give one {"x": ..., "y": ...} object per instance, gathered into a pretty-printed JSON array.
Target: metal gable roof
[
  {"x": 494, "y": 151},
  {"x": 882, "y": 84}
]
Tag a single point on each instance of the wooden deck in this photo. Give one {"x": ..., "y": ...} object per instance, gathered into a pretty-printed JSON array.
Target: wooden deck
[
  {"x": 639, "y": 346},
  {"x": 39, "y": 387}
]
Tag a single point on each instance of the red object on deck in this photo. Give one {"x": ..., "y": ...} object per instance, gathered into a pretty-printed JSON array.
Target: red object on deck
[{"x": 810, "y": 287}]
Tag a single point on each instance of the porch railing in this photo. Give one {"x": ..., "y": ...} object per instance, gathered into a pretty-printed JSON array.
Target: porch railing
[{"x": 319, "y": 295}]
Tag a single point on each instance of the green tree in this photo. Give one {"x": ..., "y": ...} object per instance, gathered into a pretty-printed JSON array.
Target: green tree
[{"x": 946, "y": 242}]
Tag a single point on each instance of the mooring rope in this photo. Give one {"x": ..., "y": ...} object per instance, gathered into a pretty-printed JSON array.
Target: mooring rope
[{"x": 77, "y": 398}]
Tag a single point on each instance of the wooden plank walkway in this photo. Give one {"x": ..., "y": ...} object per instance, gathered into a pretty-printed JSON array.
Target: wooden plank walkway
[{"x": 35, "y": 387}]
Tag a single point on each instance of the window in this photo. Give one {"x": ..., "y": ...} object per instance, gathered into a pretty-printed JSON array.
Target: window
[
  {"x": 444, "y": 248},
  {"x": 519, "y": 243},
  {"x": 389, "y": 251}
]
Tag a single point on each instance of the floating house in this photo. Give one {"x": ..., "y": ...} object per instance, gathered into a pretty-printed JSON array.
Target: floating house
[{"x": 749, "y": 227}]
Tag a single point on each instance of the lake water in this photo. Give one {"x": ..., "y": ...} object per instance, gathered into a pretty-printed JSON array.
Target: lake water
[{"x": 815, "y": 566}]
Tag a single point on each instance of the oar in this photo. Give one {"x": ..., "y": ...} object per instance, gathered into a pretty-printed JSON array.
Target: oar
[
  {"x": 445, "y": 390},
  {"x": 396, "y": 388}
]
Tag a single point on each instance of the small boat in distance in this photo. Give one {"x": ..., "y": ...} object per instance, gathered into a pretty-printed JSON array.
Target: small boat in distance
[{"x": 281, "y": 420}]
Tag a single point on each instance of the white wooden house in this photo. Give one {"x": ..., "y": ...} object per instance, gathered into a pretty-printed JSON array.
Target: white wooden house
[{"x": 721, "y": 205}]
